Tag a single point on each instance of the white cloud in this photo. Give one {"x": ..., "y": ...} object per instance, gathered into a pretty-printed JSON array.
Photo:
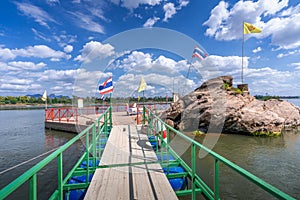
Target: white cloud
[
  {"x": 94, "y": 49},
  {"x": 225, "y": 22},
  {"x": 151, "y": 21},
  {"x": 218, "y": 15},
  {"x": 133, "y": 4},
  {"x": 17, "y": 84},
  {"x": 144, "y": 63},
  {"x": 6, "y": 54},
  {"x": 285, "y": 32},
  {"x": 86, "y": 22},
  {"x": 40, "y": 51},
  {"x": 271, "y": 7},
  {"x": 258, "y": 49},
  {"x": 214, "y": 66},
  {"x": 18, "y": 88},
  {"x": 290, "y": 11},
  {"x": 68, "y": 48},
  {"x": 20, "y": 65},
  {"x": 97, "y": 11},
  {"x": 19, "y": 81},
  {"x": 64, "y": 39},
  {"x": 289, "y": 53},
  {"x": 40, "y": 16},
  {"x": 53, "y": 2},
  {"x": 183, "y": 3},
  {"x": 157, "y": 84},
  {"x": 296, "y": 65},
  {"x": 260, "y": 80},
  {"x": 37, "y": 51},
  {"x": 170, "y": 10},
  {"x": 40, "y": 35}
]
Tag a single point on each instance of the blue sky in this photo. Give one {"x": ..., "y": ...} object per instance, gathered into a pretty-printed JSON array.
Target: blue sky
[{"x": 59, "y": 45}]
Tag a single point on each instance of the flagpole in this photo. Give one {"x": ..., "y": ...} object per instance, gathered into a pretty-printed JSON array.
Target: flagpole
[
  {"x": 110, "y": 111},
  {"x": 243, "y": 54},
  {"x": 187, "y": 76}
]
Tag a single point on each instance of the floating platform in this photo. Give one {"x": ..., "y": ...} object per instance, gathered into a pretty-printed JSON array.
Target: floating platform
[{"x": 66, "y": 125}]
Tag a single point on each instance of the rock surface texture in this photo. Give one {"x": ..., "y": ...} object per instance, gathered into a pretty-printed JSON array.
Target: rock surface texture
[{"x": 218, "y": 107}]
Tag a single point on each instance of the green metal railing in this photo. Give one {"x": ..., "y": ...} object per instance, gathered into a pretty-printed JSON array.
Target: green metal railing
[
  {"x": 198, "y": 185},
  {"x": 92, "y": 135}
]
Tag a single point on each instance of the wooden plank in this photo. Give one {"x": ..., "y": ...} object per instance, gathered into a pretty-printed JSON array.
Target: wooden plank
[
  {"x": 127, "y": 145},
  {"x": 109, "y": 183}
]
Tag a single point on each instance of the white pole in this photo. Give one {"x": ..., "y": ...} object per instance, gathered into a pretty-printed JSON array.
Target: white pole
[{"x": 243, "y": 55}]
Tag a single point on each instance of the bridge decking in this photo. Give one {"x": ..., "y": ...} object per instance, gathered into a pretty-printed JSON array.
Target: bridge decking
[{"x": 128, "y": 145}]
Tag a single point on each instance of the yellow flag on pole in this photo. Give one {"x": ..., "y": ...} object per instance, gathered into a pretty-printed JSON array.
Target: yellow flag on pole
[
  {"x": 44, "y": 97},
  {"x": 142, "y": 85},
  {"x": 250, "y": 28}
]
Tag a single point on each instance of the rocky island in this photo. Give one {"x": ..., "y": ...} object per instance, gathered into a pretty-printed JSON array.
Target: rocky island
[{"x": 216, "y": 106}]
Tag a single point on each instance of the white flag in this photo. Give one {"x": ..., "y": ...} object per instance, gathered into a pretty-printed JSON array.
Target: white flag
[
  {"x": 44, "y": 97},
  {"x": 142, "y": 85}
]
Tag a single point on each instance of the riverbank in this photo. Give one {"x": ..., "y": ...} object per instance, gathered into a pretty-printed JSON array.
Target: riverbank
[{"x": 20, "y": 106}]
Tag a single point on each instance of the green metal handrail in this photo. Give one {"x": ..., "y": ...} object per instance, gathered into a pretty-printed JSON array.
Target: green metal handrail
[
  {"x": 196, "y": 180},
  {"x": 31, "y": 174}
]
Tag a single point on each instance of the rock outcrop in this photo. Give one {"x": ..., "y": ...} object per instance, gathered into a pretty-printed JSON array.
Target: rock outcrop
[{"x": 216, "y": 106}]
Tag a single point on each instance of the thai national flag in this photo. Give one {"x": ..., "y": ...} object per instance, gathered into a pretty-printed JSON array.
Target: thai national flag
[
  {"x": 106, "y": 87},
  {"x": 199, "y": 53}
]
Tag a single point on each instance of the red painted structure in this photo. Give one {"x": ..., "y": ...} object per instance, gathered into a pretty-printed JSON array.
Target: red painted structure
[{"x": 70, "y": 114}]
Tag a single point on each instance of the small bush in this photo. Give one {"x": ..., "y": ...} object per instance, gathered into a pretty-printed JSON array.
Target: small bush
[
  {"x": 198, "y": 132},
  {"x": 267, "y": 134}
]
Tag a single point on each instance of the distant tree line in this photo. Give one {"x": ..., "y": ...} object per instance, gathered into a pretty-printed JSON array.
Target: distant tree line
[
  {"x": 267, "y": 97},
  {"x": 32, "y": 100},
  {"x": 66, "y": 100}
]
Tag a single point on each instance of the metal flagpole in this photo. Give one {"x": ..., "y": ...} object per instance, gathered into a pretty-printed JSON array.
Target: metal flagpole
[
  {"x": 110, "y": 111},
  {"x": 242, "y": 74},
  {"x": 187, "y": 76}
]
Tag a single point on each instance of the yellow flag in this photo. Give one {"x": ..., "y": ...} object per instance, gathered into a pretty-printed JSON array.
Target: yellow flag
[
  {"x": 142, "y": 85},
  {"x": 249, "y": 28},
  {"x": 44, "y": 97}
]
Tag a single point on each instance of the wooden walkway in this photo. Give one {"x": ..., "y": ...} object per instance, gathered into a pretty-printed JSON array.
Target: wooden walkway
[{"x": 139, "y": 177}]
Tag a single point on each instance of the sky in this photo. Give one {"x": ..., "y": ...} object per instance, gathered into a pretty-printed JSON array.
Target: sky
[{"x": 70, "y": 47}]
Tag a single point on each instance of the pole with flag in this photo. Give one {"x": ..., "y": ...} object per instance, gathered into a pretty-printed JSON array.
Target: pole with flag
[
  {"x": 199, "y": 54},
  {"x": 44, "y": 98},
  {"x": 105, "y": 88},
  {"x": 247, "y": 29},
  {"x": 142, "y": 87}
]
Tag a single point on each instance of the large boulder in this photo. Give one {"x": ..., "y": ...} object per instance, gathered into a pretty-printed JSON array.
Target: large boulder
[{"x": 218, "y": 107}]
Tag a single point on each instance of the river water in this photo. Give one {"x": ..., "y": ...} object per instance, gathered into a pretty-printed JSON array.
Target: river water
[
  {"x": 23, "y": 137},
  {"x": 275, "y": 160}
]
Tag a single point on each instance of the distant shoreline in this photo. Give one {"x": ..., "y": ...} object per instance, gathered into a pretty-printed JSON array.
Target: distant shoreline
[{"x": 30, "y": 106}]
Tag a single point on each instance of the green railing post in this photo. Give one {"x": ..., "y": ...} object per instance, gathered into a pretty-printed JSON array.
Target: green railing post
[
  {"x": 216, "y": 183},
  {"x": 110, "y": 113},
  {"x": 156, "y": 134},
  {"x": 144, "y": 114},
  {"x": 33, "y": 190},
  {"x": 149, "y": 118},
  {"x": 60, "y": 176},
  {"x": 87, "y": 138},
  {"x": 193, "y": 171},
  {"x": 94, "y": 145},
  {"x": 98, "y": 124},
  {"x": 105, "y": 123}
]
